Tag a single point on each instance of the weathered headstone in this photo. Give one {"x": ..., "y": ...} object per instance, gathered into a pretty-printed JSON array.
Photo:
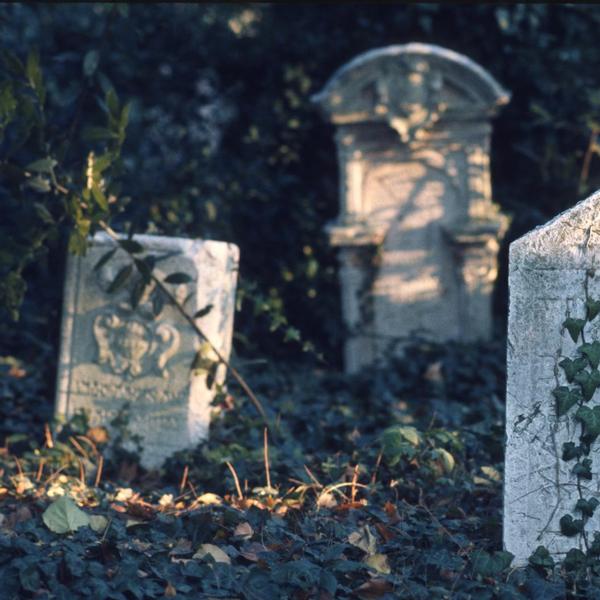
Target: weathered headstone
[
  {"x": 113, "y": 354},
  {"x": 551, "y": 273},
  {"x": 412, "y": 134}
]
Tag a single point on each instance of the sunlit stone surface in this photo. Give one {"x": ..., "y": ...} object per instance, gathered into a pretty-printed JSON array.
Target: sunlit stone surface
[
  {"x": 547, "y": 280},
  {"x": 417, "y": 231},
  {"x": 114, "y": 355}
]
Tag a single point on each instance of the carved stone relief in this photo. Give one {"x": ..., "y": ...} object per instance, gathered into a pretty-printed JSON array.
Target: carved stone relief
[{"x": 114, "y": 355}]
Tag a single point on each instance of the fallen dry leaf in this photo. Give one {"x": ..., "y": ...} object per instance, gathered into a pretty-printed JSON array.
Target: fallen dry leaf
[
  {"x": 211, "y": 550},
  {"x": 373, "y": 589},
  {"x": 98, "y": 435},
  {"x": 392, "y": 512},
  {"x": 252, "y": 550},
  {"x": 243, "y": 531}
]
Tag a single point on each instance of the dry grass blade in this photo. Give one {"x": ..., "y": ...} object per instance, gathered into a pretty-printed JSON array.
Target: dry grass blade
[
  {"x": 266, "y": 456},
  {"x": 236, "y": 480}
]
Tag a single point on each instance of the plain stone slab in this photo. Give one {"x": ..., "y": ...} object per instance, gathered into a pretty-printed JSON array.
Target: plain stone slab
[
  {"x": 112, "y": 355},
  {"x": 547, "y": 278},
  {"x": 417, "y": 230}
]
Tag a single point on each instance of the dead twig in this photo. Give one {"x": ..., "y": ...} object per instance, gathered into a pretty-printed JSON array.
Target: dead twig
[
  {"x": 354, "y": 480},
  {"x": 184, "y": 478},
  {"x": 48, "y": 436},
  {"x": 587, "y": 159},
  {"x": 99, "y": 471},
  {"x": 236, "y": 480},
  {"x": 81, "y": 471},
  {"x": 311, "y": 475},
  {"x": 40, "y": 470},
  {"x": 79, "y": 448},
  {"x": 266, "y": 456},
  {"x": 377, "y": 463}
]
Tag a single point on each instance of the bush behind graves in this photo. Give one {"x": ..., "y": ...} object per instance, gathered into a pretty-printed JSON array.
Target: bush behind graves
[{"x": 223, "y": 141}]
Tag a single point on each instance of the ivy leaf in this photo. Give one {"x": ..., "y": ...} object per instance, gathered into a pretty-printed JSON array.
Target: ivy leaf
[
  {"x": 104, "y": 259},
  {"x": 203, "y": 311},
  {"x": 64, "y": 516},
  {"x": 583, "y": 470},
  {"x": 490, "y": 565},
  {"x": 574, "y": 560},
  {"x": 595, "y": 545},
  {"x": 570, "y": 526},
  {"x": 589, "y": 382},
  {"x": 571, "y": 451},
  {"x": 566, "y": 398},
  {"x": 587, "y": 507},
  {"x": 574, "y": 327},
  {"x": 593, "y": 308},
  {"x": 572, "y": 367},
  {"x": 178, "y": 278},
  {"x": 590, "y": 417},
  {"x": 120, "y": 279},
  {"x": 399, "y": 441},
  {"x": 541, "y": 558},
  {"x": 592, "y": 353}
]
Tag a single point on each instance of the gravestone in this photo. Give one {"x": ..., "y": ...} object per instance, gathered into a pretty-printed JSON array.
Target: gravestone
[
  {"x": 113, "y": 354},
  {"x": 551, "y": 272},
  {"x": 417, "y": 231}
]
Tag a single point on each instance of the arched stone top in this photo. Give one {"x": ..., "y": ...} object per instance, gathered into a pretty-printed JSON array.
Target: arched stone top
[{"x": 410, "y": 87}]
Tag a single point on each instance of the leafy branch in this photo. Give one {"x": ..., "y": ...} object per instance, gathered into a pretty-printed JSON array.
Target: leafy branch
[{"x": 148, "y": 275}]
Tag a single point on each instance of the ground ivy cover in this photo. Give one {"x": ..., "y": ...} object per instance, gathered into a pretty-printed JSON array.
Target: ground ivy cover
[{"x": 385, "y": 485}]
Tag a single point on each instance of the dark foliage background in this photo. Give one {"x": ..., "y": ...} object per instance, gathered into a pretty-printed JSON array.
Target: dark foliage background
[{"x": 223, "y": 142}]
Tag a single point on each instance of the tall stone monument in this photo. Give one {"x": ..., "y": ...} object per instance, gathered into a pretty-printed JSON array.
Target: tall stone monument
[
  {"x": 553, "y": 270},
  {"x": 117, "y": 351},
  {"x": 417, "y": 231}
]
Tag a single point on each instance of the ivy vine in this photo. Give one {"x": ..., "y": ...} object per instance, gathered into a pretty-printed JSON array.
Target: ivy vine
[{"x": 583, "y": 378}]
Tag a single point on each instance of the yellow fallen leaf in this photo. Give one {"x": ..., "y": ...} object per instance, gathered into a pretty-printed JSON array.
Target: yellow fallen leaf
[
  {"x": 379, "y": 562},
  {"x": 210, "y": 498}
]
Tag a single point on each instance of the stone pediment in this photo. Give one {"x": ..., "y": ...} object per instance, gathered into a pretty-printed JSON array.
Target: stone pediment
[
  {"x": 564, "y": 242},
  {"x": 410, "y": 87}
]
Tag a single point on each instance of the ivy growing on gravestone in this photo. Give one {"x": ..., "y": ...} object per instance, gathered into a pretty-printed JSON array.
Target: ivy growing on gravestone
[{"x": 583, "y": 379}]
